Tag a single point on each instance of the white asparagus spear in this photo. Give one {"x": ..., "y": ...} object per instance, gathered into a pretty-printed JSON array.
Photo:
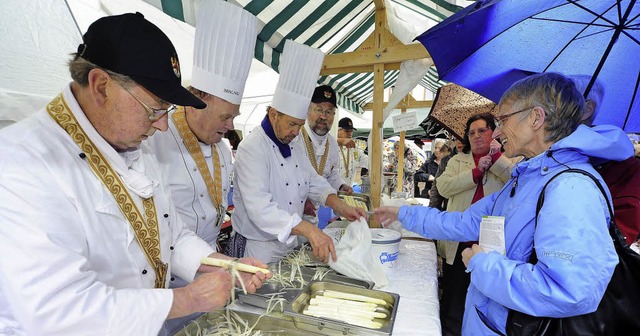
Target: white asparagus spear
[
  {"x": 351, "y": 320},
  {"x": 319, "y": 300},
  {"x": 354, "y": 297},
  {"x": 346, "y": 311},
  {"x": 226, "y": 264}
]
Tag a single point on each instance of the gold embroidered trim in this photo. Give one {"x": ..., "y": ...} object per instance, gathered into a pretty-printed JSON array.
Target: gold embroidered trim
[
  {"x": 191, "y": 142},
  {"x": 346, "y": 160},
  {"x": 146, "y": 231},
  {"x": 312, "y": 153}
]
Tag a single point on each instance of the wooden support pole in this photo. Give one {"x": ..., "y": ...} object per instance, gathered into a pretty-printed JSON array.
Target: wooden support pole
[{"x": 375, "y": 149}]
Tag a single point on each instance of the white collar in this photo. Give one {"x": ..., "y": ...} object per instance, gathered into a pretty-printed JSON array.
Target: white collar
[{"x": 127, "y": 165}]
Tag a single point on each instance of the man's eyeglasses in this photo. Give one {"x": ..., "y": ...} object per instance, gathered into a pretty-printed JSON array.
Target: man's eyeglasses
[
  {"x": 154, "y": 114},
  {"x": 501, "y": 120},
  {"x": 326, "y": 113},
  {"x": 479, "y": 131}
]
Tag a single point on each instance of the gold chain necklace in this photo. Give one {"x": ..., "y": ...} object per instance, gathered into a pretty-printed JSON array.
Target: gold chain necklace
[
  {"x": 312, "y": 153},
  {"x": 214, "y": 189},
  {"x": 146, "y": 231}
]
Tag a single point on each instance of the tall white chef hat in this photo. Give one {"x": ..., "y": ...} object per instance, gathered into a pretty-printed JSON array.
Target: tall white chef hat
[
  {"x": 224, "y": 46},
  {"x": 299, "y": 70}
]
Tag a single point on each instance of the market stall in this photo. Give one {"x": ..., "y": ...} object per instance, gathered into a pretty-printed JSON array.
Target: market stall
[{"x": 413, "y": 285}]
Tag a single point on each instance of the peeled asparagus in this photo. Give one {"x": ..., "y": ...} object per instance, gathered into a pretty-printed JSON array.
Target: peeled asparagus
[
  {"x": 354, "y": 297},
  {"x": 363, "y": 322},
  {"x": 226, "y": 264},
  {"x": 355, "y": 202},
  {"x": 318, "y": 300},
  {"x": 346, "y": 311}
]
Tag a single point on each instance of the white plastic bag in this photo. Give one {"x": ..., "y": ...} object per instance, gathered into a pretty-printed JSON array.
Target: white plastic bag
[{"x": 355, "y": 258}]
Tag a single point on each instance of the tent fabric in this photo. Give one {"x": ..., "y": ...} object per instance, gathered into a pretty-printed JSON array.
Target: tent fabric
[
  {"x": 334, "y": 26},
  {"x": 37, "y": 46}
]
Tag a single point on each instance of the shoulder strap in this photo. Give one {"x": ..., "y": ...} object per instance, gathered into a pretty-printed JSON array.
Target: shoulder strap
[{"x": 612, "y": 224}]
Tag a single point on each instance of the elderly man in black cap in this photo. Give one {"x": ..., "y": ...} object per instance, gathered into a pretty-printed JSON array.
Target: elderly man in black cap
[
  {"x": 320, "y": 146},
  {"x": 352, "y": 158},
  {"x": 89, "y": 234}
]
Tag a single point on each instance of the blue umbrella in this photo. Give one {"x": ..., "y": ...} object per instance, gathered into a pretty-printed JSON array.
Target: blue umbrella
[{"x": 489, "y": 45}]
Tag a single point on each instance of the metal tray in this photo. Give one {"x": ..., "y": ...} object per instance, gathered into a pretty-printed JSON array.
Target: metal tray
[
  {"x": 266, "y": 292},
  {"x": 334, "y": 327},
  {"x": 268, "y": 325}
]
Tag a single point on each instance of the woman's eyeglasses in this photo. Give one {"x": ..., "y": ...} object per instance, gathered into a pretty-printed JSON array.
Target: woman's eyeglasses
[{"x": 501, "y": 120}]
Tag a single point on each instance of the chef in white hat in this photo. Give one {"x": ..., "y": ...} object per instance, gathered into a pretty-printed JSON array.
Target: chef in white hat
[
  {"x": 194, "y": 159},
  {"x": 273, "y": 178}
]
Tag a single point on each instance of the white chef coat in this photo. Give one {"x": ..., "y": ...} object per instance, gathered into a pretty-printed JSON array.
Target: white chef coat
[
  {"x": 71, "y": 264},
  {"x": 357, "y": 159},
  {"x": 331, "y": 170},
  {"x": 269, "y": 194},
  {"x": 188, "y": 190}
]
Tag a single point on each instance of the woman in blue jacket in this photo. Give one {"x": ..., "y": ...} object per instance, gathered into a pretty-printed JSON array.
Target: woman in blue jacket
[{"x": 538, "y": 118}]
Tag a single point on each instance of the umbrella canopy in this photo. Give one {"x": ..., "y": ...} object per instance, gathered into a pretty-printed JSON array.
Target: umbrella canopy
[
  {"x": 489, "y": 45},
  {"x": 454, "y": 105}
]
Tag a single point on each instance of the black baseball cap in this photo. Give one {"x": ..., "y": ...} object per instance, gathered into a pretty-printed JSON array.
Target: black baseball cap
[
  {"x": 324, "y": 93},
  {"x": 346, "y": 123},
  {"x": 130, "y": 45}
]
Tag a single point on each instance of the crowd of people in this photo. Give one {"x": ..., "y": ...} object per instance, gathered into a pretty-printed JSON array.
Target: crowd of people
[{"x": 105, "y": 220}]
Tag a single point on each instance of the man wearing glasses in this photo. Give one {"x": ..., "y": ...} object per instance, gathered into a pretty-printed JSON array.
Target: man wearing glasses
[
  {"x": 320, "y": 146},
  {"x": 89, "y": 236}
]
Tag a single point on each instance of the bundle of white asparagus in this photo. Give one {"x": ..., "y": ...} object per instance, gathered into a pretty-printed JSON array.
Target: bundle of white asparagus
[
  {"x": 356, "y": 203},
  {"x": 354, "y": 309}
]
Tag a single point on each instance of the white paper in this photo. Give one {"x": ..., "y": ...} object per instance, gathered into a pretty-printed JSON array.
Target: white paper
[
  {"x": 405, "y": 121},
  {"x": 492, "y": 234}
]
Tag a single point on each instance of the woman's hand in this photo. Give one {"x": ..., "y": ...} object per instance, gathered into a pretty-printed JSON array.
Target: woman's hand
[{"x": 386, "y": 215}]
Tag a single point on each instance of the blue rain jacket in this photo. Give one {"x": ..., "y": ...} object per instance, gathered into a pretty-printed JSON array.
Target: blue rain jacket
[{"x": 576, "y": 255}]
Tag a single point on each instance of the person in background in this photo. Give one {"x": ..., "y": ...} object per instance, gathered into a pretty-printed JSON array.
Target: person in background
[
  {"x": 195, "y": 161},
  {"x": 427, "y": 172},
  {"x": 622, "y": 177},
  {"x": 88, "y": 232},
  {"x": 435, "y": 199},
  {"x": 352, "y": 158},
  {"x": 320, "y": 146},
  {"x": 479, "y": 170},
  {"x": 274, "y": 177},
  {"x": 538, "y": 118},
  {"x": 234, "y": 139},
  {"x": 414, "y": 158}
]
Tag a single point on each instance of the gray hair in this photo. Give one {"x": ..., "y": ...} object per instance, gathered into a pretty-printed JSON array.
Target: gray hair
[
  {"x": 596, "y": 94},
  {"x": 556, "y": 94},
  {"x": 79, "y": 69}
]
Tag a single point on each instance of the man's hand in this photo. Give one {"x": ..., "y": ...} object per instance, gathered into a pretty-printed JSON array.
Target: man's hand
[
  {"x": 253, "y": 281},
  {"x": 469, "y": 252},
  {"x": 209, "y": 291},
  {"x": 321, "y": 244},
  {"x": 386, "y": 215},
  {"x": 341, "y": 207},
  {"x": 346, "y": 188},
  {"x": 346, "y": 142}
]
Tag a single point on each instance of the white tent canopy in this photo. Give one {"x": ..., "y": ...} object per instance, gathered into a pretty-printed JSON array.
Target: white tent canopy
[{"x": 37, "y": 46}]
